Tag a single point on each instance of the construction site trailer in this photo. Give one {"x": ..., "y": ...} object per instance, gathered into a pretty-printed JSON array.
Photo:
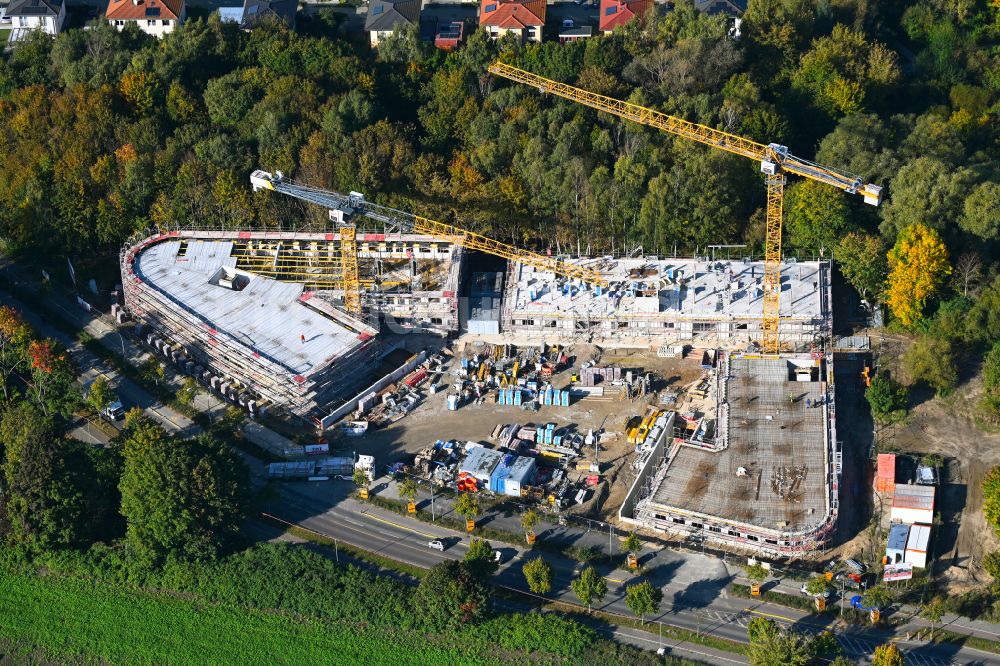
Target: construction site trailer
[
  {"x": 912, "y": 504},
  {"x": 885, "y": 479},
  {"x": 917, "y": 545},
  {"x": 480, "y": 463}
]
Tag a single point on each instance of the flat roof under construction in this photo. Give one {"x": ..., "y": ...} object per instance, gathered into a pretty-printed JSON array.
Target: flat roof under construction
[
  {"x": 271, "y": 318},
  {"x": 772, "y": 474},
  {"x": 681, "y": 288}
]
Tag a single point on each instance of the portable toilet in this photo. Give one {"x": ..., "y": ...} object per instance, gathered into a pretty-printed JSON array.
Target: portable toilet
[{"x": 452, "y": 403}]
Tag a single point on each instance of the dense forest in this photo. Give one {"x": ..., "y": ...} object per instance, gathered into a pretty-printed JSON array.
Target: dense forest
[{"x": 109, "y": 132}]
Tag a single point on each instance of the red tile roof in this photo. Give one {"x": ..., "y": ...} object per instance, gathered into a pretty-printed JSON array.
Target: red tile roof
[
  {"x": 512, "y": 14},
  {"x": 615, "y": 13},
  {"x": 125, "y": 10}
]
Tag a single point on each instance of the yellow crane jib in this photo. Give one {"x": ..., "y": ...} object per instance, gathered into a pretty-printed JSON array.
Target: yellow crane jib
[
  {"x": 343, "y": 209},
  {"x": 771, "y": 156},
  {"x": 474, "y": 241},
  {"x": 775, "y": 161}
]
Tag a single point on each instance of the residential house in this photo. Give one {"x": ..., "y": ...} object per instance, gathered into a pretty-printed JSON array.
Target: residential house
[
  {"x": 449, "y": 35},
  {"x": 386, "y": 16},
  {"x": 616, "y": 13},
  {"x": 570, "y": 33},
  {"x": 255, "y": 11},
  {"x": 153, "y": 17},
  {"x": 524, "y": 19},
  {"x": 727, "y": 7},
  {"x": 27, "y": 16}
]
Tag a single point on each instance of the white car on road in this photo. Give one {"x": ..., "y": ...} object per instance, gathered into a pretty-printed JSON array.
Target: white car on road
[{"x": 436, "y": 544}]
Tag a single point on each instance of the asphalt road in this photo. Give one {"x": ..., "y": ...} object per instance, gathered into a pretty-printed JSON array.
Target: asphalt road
[
  {"x": 130, "y": 393},
  {"x": 694, "y": 586}
]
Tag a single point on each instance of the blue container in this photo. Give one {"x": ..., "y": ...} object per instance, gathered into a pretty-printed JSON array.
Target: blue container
[
  {"x": 565, "y": 398},
  {"x": 517, "y": 397},
  {"x": 557, "y": 440}
]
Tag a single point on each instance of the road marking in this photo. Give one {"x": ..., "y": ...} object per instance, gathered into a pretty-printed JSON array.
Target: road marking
[
  {"x": 403, "y": 527},
  {"x": 613, "y": 580},
  {"x": 779, "y": 617},
  {"x": 679, "y": 647}
]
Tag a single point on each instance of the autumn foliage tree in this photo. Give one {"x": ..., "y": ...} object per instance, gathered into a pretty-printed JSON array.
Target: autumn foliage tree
[
  {"x": 14, "y": 338},
  {"x": 918, "y": 266}
]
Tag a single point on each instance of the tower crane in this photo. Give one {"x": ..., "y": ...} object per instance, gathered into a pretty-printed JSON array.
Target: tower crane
[
  {"x": 775, "y": 162},
  {"x": 348, "y": 210}
]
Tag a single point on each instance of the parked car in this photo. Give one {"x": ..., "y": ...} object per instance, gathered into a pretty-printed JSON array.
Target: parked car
[
  {"x": 436, "y": 544},
  {"x": 825, "y": 593}
]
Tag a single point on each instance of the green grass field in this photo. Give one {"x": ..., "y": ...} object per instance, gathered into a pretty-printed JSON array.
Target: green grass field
[{"x": 72, "y": 618}]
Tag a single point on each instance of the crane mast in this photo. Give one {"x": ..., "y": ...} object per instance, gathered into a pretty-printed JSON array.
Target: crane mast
[
  {"x": 775, "y": 161},
  {"x": 346, "y": 210}
]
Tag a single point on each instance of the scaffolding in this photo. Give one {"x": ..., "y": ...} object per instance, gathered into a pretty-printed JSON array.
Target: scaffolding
[{"x": 192, "y": 299}]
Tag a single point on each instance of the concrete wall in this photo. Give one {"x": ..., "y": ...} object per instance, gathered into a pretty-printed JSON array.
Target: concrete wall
[{"x": 352, "y": 404}]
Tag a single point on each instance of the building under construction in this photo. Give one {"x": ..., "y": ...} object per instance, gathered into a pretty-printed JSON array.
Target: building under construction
[
  {"x": 252, "y": 315},
  {"x": 769, "y": 480},
  {"x": 652, "y": 301}
]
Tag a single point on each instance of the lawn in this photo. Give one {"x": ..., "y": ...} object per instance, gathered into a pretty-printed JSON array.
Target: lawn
[{"x": 72, "y": 618}]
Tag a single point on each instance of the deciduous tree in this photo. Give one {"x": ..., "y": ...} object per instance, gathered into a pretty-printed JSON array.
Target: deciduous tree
[
  {"x": 816, "y": 216},
  {"x": 643, "y": 599},
  {"x": 99, "y": 395},
  {"x": 886, "y": 397},
  {"x": 480, "y": 558},
  {"x": 981, "y": 211},
  {"x": 991, "y": 498},
  {"x": 589, "y": 586},
  {"x": 180, "y": 499},
  {"x": 918, "y": 266},
  {"x": 933, "y": 611},
  {"x": 538, "y": 574},
  {"x": 451, "y": 595},
  {"x": 932, "y": 361},
  {"x": 468, "y": 506},
  {"x": 926, "y": 192},
  {"x": 991, "y": 379},
  {"x": 863, "y": 262},
  {"x": 887, "y": 655}
]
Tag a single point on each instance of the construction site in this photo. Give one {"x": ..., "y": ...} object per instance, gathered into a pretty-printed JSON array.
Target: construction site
[
  {"x": 688, "y": 395},
  {"x": 768, "y": 481}
]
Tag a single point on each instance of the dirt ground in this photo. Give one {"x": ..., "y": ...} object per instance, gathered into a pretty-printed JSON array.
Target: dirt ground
[
  {"x": 947, "y": 427},
  {"x": 432, "y": 421}
]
